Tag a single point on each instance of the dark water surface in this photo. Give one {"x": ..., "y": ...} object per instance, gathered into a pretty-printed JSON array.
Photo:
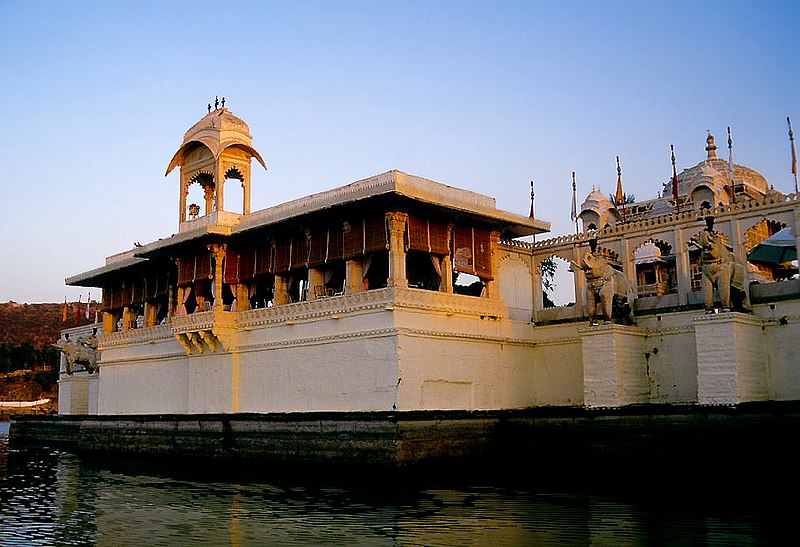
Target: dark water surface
[{"x": 51, "y": 496}]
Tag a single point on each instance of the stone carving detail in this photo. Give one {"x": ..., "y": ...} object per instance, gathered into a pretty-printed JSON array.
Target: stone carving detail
[
  {"x": 607, "y": 287},
  {"x": 84, "y": 352},
  {"x": 205, "y": 332},
  {"x": 721, "y": 269}
]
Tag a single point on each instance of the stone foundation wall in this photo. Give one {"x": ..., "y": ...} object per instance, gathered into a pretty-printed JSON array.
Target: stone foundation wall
[{"x": 651, "y": 437}]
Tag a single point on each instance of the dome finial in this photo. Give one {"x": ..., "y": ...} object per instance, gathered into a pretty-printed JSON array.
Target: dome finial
[{"x": 711, "y": 148}]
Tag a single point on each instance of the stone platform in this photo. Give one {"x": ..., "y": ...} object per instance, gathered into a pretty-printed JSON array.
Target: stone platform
[{"x": 654, "y": 436}]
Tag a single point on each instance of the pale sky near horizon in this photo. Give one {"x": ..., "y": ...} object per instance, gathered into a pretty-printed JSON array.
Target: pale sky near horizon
[{"x": 486, "y": 96}]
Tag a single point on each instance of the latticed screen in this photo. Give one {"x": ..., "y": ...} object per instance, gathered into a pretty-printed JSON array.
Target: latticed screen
[
  {"x": 472, "y": 251},
  {"x": 194, "y": 267},
  {"x": 427, "y": 235}
]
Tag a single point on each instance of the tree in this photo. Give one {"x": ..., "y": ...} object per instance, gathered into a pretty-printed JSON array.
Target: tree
[
  {"x": 629, "y": 198},
  {"x": 549, "y": 268}
]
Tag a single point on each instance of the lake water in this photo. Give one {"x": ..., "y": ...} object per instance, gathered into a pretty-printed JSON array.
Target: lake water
[{"x": 51, "y": 496}]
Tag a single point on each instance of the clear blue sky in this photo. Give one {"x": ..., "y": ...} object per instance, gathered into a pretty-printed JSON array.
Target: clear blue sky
[{"x": 486, "y": 96}]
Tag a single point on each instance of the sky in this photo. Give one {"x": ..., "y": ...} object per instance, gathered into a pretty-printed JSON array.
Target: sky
[{"x": 485, "y": 96}]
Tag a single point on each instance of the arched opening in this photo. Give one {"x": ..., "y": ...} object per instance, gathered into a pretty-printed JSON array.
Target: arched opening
[
  {"x": 199, "y": 196},
  {"x": 558, "y": 283},
  {"x": 656, "y": 271},
  {"x": 771, "y": 251},
  {"x": 195, "y": 202},
  {"x": 233, "y": 200}
]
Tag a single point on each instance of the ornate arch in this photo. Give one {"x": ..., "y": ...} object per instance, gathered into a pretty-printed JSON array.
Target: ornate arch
[
  {"x": 761, "y": 231},
  {"x": 663, "y": 246},
  {"x": 234, "y": 172}
]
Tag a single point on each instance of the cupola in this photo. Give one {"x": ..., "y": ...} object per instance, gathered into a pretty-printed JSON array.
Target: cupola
[{"x": 216, "y": 148}]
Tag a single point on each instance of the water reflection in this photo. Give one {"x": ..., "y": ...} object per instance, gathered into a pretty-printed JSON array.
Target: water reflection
[{"x": 50, "y": 496}]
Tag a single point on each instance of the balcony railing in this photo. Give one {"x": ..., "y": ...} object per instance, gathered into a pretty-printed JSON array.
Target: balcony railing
[{"x": 215, "y": 331}]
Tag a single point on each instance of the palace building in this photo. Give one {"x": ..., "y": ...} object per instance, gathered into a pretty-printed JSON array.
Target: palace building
[{"x": 347, "y": 301}]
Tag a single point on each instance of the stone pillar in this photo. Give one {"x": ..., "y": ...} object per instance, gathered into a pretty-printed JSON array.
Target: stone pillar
[
  {"x": 127, "y": 318},
  {"x": 219, "y": 259},
  {"x": 242, "y": 297},
  {"x": 208, "y": 189},
  {"x": 246, "y": 194},
  {"x": 731, "y": 358},
  {"x": 581, "y": 309},
  {"x": 614, "y": 366},
  {"x": 150, "y": 315},
  {"x": 219, "y": 179},
  {"x": 447, "y": 275},
  {"x": 184, "y": 194},
  {"x": 353, "y": 276},
  {"x": 281, "y": 290},
  {"x": 181, "y": 292},
  {"x": 109, "y": 324},
  {"x": 537, "y": 290},
  {"x": 684, "y": 272},
  {"x": 316, "y": 278},
  {"x": 172, "y": 300},
  {"x": 397, "y": 250},
  {"x": 447, "y": 265},
  {"x": 492, "y": 288},
  {"x": 796, "y": 229}
]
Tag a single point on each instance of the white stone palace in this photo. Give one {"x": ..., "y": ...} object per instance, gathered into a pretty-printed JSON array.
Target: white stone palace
[{"x": 346, "y": 300}]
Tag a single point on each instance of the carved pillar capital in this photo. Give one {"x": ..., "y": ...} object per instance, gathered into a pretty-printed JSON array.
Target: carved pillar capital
[
  {"x": 219, "y": 251},
  {"x": 396, "y": 222}
]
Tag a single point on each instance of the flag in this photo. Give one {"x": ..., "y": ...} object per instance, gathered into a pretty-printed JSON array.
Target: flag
[
  {"x": 574, "y": 212},
  {"x": 78, "y": 311},
  {"x": 64, "y": 311},
  {"x": 674, "y": 177},
  {"x": 620, "y": 195},
  {"x": 87, "y": 310}
]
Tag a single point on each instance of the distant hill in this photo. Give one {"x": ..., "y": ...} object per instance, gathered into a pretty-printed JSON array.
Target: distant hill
[
  {"x": 29, "y": 374},
  {"x": 40, "y": 324}
]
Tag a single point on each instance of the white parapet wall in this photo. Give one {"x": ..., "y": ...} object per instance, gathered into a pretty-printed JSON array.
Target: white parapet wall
[
  {"x": 732, "y": 358},
  {"x": 614, "y": 366}
]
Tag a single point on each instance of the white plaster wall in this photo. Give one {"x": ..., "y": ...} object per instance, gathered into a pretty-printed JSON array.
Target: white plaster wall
[
  {"x": 554, "y": 375},
  {"x": 355, "y": 373},
  {"x": 752, "y": 360},
  {"x": 417, "y": 358},
  {"x": 447, "y": 373},
  {"x": 208, "y": 383},
  {"x": 783, "y": 344},
  {"x": 672, "y": 361},
  {"x": 145, "y": 387},
  {"x": 514, "y": 278}
]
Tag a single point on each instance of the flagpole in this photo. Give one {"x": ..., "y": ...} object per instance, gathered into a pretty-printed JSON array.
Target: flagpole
[
  {"x": 674, "y": 181},
  {"x": 794, "y": 154},
  {"x": 730, "y": 166},
  {"x": 620, "y": 197},
  {"x": 574, "y": 211},
  {"x": 533, "y": 210}
]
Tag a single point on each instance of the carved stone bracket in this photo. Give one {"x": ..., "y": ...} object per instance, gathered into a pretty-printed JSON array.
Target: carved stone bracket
[{"x": 207, "y": 332}]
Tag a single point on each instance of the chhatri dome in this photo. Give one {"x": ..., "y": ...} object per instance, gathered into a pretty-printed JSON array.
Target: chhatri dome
[
  {"x": 708, "y": 182},
  {"x": 216, "y": 148},
  {"x": 597, "y": 211},
  {"x": 705, "y": 185}
]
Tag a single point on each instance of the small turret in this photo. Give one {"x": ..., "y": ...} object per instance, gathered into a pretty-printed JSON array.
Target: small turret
[{"x": 711, "y": 148}]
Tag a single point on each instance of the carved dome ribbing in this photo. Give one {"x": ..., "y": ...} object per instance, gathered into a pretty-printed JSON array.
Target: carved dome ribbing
[{"x": 217, "y": 131}]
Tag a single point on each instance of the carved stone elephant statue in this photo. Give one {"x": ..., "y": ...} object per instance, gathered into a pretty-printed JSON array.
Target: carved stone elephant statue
[
  {"x": 723, "y": 270},
  {"x": 607, "y": 287}
]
